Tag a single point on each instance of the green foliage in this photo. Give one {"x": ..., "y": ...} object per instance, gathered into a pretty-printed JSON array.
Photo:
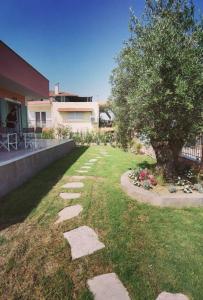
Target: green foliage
[
  {"x": 48, "y": 133},
  {"x": 93, "y": 137},
  {"x": 63, "y": 132},
  {"x": 157, "y": 86}
]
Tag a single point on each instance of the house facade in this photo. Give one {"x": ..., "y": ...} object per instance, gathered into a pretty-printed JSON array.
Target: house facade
[
  {"x": 19, "y": 82},
  {"x": 64, "y": 109}
]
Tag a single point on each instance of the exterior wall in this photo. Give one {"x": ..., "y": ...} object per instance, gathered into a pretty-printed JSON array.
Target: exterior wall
[
  {"x": 18, "y": 76},
  {"x": 56, "y": 118},
  {"x": 15, "y": 173},
  {"x": 39, "y": 106},
  {"x": 85, "y": 124}
]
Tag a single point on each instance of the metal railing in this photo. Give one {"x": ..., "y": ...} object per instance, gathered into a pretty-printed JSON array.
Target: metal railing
[{"x": 194, "y": 151}]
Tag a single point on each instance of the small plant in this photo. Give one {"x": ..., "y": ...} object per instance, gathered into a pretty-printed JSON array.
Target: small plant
[
  {"x": 146, "y": 185},
  {"x": 187, "y": 189},
  {"x": 143, "y": 174},
  {"x": 48, "y": 133},
  {"x": 137, "y": 183},
  {"x": 63, "y": 132},
  {"x": 152, "y": 180},
  {"x": 131, "y": 175},
  {"x": 172, "y": 189}
]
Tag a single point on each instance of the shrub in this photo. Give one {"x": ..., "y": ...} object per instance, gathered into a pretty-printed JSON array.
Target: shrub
[
  {"x": 187, "y": 189},
  {"x": 152, "y": 180},
  {"x": 63, "y": 132},
  {"x": 143, "y": 174},
  {"x": 48, "y": 133}
]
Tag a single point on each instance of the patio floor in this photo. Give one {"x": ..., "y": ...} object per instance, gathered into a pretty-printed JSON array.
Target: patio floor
[{"x": 6, "y": 156}]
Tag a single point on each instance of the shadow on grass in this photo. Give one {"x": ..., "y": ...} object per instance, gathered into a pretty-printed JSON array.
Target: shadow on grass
[
  {"x": 17, "y": 205},
  {"x": 147, "y": 165}
]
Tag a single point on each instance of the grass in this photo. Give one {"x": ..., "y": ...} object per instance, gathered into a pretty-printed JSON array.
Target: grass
[{"x": 151, "y": 249}]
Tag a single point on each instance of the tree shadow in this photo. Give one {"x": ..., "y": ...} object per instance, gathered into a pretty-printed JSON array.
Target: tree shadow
[
  {"x": 147, "y": 165},
  {"x": 17, "y": 205}
]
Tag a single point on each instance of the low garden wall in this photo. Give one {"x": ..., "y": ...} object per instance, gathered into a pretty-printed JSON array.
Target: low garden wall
[{"x": 145, "y": 196}]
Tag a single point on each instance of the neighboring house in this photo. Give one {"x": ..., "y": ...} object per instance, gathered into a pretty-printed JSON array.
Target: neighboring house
[
  {"x": 62, "y": 108},
  {"x": 19, "y": 82}
]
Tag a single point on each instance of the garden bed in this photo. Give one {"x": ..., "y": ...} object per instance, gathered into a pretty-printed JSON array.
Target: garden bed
[{"x": 178, "y": 200}]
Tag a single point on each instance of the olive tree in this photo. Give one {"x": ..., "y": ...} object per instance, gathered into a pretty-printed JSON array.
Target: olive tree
[{"x": 157, "y": 86}]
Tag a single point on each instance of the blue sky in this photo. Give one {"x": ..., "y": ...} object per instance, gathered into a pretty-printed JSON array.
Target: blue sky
[{"x": 73, "y": 42}]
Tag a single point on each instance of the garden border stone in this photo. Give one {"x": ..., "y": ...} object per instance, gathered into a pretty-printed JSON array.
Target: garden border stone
[{"x": 153, "y": 198}]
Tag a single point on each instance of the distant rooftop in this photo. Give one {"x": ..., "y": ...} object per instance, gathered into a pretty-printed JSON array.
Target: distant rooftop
[{"x": 52, "y": 94}]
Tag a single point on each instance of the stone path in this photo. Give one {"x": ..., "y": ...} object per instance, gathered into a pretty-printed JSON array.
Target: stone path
[
  {"x": 70, "y": 196},
  {"x": 83, "y": 241},
  {"x": 69, "y": 213},
  {"x": 82, "y": 171},
  {"x": 170, "y": 296},
  {"x": 107, "y": 287},
  {"x": 76, "y": 177},
  {"x": 73, "y": 185}
]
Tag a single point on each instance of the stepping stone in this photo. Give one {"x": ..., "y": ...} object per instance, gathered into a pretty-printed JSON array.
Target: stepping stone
[
  {"x": 86, "y": 167},
  {"x": 73, "y": 185},
  {"x": 107, "y": 286},
  {"x": 93, "y": 160},
  {"x": 77, "y": 177},
  {"x": 82, "y": 171},
  {"x": 69, "y": 196},
  {"x": 170, "y": 296},
  {"x": 83, "y": 241},
  {"x": 69, "y": 213},
  {"x": 89, "y": 163}
]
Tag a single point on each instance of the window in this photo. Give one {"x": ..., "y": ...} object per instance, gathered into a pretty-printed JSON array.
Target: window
[
  {"x": 76, "y": 116},
  {"x": 40, "y": 118}
]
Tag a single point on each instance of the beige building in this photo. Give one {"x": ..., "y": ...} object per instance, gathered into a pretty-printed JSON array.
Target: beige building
[{"x": 79, "y": 113}]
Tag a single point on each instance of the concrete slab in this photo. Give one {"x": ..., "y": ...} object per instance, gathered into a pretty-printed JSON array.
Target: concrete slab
[
  {"x": 83, "y": 241},
  {"x": 170, "y": 296},
  {"x": 86, "y": 167},
  {"x": 82, "y": 171},
  {"x": 73, "y": 185},
  {"x": 69, "y": 213},
  {"x": 69, "y": 196},
  {"x": 107, "y": 286},
  {"x": 93, "y": 160}
]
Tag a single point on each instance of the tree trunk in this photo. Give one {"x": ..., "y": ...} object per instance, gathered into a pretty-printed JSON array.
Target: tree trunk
[{"x": 167, "y": 158}]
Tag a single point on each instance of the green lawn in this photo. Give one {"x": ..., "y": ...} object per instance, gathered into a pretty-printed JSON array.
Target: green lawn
[{"x": 150, "y": 249}]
